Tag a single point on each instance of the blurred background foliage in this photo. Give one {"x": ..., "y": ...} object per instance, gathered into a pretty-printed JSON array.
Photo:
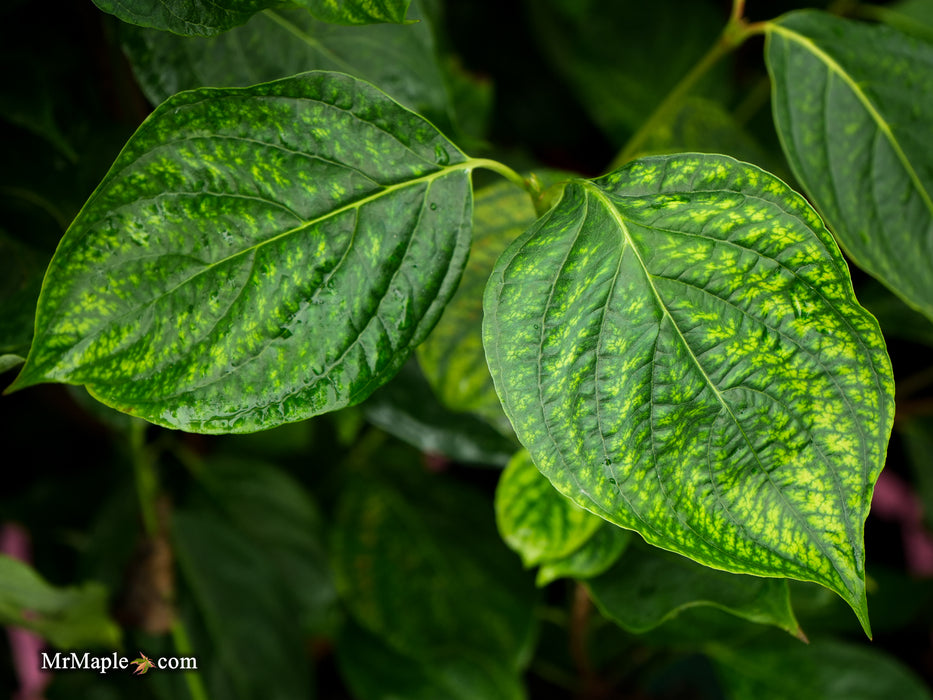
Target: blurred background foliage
[{"x": 356, "y": 554}]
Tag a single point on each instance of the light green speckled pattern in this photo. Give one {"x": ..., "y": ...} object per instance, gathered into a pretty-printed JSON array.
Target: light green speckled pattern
[
  {"x": 679, "y": 347},
  {"x": 535, "y": 520},
  {"x": 852, "y": 105},
  {"x": 256, "y": 256},
  {"x": 357, "y": 11}
]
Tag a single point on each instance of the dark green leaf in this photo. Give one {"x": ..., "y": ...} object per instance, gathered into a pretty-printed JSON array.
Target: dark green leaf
[
  {"x": 198, "y": 17},
  {"x": 257, "y": 256},
  {"x": 20, "y": 281},
  {"x": 618, "y": 67},
  {"x": 407, "y": 408},
  {"x": 279, "y": 43},
  {"x": 239, "y": 599},
  {"x": 678, "y": 346},
  {"x": 452, "y": 357},
  {"x": 69, "y": 618},
  {"x": 277, "y": 515},
  {"x": 424, "y": 570},
  {"x": 852, "y": 105},
  {"x": 210, "y": 17},
  {"x": 374, "y": 671},
  {"x": 897, "y": 320},
  {"x": 826, "y": 670},
  {"x": 535, "y": 520},
  {"x": 648, "y": 586},
  {"x": 596, "y": 555}
]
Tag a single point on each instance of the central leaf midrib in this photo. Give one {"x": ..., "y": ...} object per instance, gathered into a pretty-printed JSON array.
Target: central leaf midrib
[
  {"x": 623, "y": 228},
  {"x": 833, "y": 66}
]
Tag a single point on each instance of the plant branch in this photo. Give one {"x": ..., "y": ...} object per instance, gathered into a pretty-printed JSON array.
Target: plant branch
[{"x": 734, "y": 34}]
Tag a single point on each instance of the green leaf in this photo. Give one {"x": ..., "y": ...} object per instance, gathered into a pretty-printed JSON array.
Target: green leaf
[
  {"x": 594, "y": 557},
  {"x": 69, "y": 618},
  {"x": 407, "y": 408},
  {"x": 278, "y": 516},
  {"x": 198, "y": 17},
  {"x": 279, "y": 43},
  {"x": 237, "y": 608},
  {"x": 210, "y": 17},
  {"x": 852, "y": 105},
  {"x": 678, "y": 346},
  {"x": 535, "y": 520},
  {"x": 827, "y": 670},
  {"x": 374, "y": 671},
  {"x": 649, "y": 586},
  {"x": 423, "y": 569},
  {"x": 20, "y": 280},
  {"x": 619, "y": 69},
  {"x": 897, "y": 320},
  {"x": 452, "y": 357},
  {"x": 257, "y": 256},
  {"x": 357, "y": 11}
]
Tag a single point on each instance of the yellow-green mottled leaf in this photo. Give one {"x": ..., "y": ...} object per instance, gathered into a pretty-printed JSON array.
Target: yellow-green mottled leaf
[
  {"x": 678, "y": 346},
  {"x": 210, "y": 17},
  {"x": 279, "y": 43},
  {"x": 452, "y": 357},
  {"x": 853, "y": 105},
  {"x": 535, "y": 520},
  {"x": 357, "y": 11},
  {"x": 649, "y": 586},
  {"x": 593, "y": 557},
  {"x": 256, "y": 256}
]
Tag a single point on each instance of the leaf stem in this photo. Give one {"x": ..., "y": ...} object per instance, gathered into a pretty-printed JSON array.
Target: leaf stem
[
  {"x": 734, "y": 34},
  {"x": 147, "y": 490},
  {"x": 541, "y": 198}
]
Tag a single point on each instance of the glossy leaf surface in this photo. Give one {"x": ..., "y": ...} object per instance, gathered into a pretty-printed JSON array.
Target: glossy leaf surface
[
  {"x": 592, "y": 558},
  {"x": 534, "y": 519},
  {"x": 69, "y": 618},
  {"x": 210, "y": 17},
  {"x": 357, "y": 11},
  {"x": 649, "y": 586},
  {"x": 824, "y": 669},
  {"x": 278, "y": 43},
  {"x": 678, "y": 346},
  {"x": 852, "y": 105},
  {"x": 257, "y": 256}
]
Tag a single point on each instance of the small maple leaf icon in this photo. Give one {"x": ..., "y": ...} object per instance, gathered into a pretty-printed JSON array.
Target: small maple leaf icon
[{"x": 143, "y": 664}]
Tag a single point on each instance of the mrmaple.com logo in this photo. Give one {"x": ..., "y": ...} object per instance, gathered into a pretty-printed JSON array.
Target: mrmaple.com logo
[{"x": 76, "y": 661}]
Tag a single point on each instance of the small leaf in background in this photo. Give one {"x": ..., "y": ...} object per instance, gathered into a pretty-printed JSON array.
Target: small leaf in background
[
  {"x": 407, "y": 408},
  {"x": 257, "y": 256},
  {"x": 534, "y": 519},
  {"x": 274, "y": 44},
  {"x": 424, "y": 570},
  {"x": 678, "y": 346},
  {"x": 852, "y": 105},
  {"x": 649, "y": 586},
  {"x": 69, "y": 618},
  {"x": 782, "y": 669},
  {"x": 374, "y": 671},
  {"x": 594, "y": 556},
  {"x": 618, "y": 70},
  {"x": 452, "y": 357},
  {"x": 221, "y": 571}
]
